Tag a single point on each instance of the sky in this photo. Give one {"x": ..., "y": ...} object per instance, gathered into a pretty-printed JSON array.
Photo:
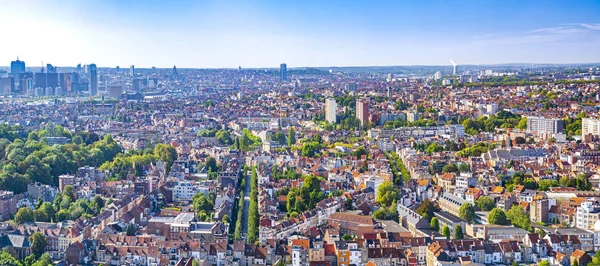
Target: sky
[{"x": 262, "y": 33}]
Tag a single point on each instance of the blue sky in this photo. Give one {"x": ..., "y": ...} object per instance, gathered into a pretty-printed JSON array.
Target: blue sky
[{"x": 224, "y": 33}]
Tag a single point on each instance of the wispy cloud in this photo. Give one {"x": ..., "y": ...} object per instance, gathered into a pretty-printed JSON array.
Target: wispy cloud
[{"x": 561, "y": 32}]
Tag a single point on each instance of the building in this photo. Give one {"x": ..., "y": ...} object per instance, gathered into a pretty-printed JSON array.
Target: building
[
  {"x": 65, "y": 180},
  {"x": 16, "y": 68},
  {"x": 450, "y": 203},
  {"x": 543, "y": 125},
  {"x": 437, "y": 75},
  {"x": 362, "y": 111},
  {"x": 412, "y": 116},
  {"x": 587, "y": 215},
  {"x": 7, "y": 85},
  {"x": 115, "y": 91},
  {"x": 590, "y": 126},
  {"x": 539, "y": 210},
  {"x": 184, "y": 191},
  {"x": 283, "y": 71},
  {"x": 93, "y": 71},
  {"x": 330, "y": 110},
  {"x": 132, "y": 70},
  {"x": 351, "y": 86}
]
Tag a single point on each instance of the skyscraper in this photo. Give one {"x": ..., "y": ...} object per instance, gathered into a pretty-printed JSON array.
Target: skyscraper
[
  {"x": 283, "y": 71},
  {"x": 132, "y": 70},
  {"x": 362, "y": 110},
  {"x": 351, "y": 86},
  {"x": 93, "y": 79},
  {"x": 330, "y": 110},
  {"x": 16, "y": 67},
  {"x": 50, "y": 68}
]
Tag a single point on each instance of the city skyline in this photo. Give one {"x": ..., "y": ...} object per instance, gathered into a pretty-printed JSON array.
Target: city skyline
[{"x": 220, "y": 34}]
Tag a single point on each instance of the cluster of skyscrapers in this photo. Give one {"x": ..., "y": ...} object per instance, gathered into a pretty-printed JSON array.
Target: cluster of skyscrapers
[{"x": 48, "y": 82}]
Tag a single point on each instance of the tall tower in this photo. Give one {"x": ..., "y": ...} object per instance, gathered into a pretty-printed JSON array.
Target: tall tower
[
  {"x": 362, "y": 110},
  {"x": 283, "y": 71},
  {"x": 132, "y": 70},
  {"x": 93, "y": 71},
  {"x": 330, "y": 110},
  {"x": 16, "y": 68}
]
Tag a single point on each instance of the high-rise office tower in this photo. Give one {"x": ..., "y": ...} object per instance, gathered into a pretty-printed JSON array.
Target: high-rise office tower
[
  {"x": 438, "y": 75},
  {"x": 132, "y": 70},
  {"x": 50, "y": 68},
  {"x": 351, "y": 86},
  {"x": 16, "y": 67},
  {"x": 175, "y": 70},
  {"x": 93, "y": 71},
  {"x": 66, "y": 81},
  {"x": 78, "y": 68},
  {"x": 362, "y": 110},
  {"x": 330, "y": 110},
  {"x": 283, "y": 71},
  {"x": 26, "y": 82}
]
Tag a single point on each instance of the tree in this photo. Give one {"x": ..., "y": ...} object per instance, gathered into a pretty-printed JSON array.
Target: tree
[
  {"x": 380, "y": 214},
  {"x": 69, "y": 191},
  {"x": 434, "y": 224},
  {"x": 450, "y": 168},
  {"x": 467, "y": 212},
  {"x": 195, "y": 263},
  {"x": 522, "y": 123},
  {"x": 387, "y": 193},
  {"x": 520, "y": 140},
  {"x": 426, "y": 209},
  {"x": 514, "y": 263},
  {"x": 359, "y": 152},
  {"x": 464, "y": 168},
  {"x": 544, "y": 263},
  {"x": 458, "y": 232},
  {"x": 446, "y": 231},
  {"x": 291, "y": 137},
  {"x": 497, "y": 216},
  {"x": 38, "y": 243},
  {"x": 211, "y": 164},
  {"x": 225, "y": 219},
  {"x": 518, "y": 217},
  {"x": 8, "y": 260},
  {"x": 575, "y": 263},
  {"x": 23, "y": 215},
  {"x": 485, "y": 203},
  {"x": 131, "y": 229},
  {"x": 346, "y": 237}
]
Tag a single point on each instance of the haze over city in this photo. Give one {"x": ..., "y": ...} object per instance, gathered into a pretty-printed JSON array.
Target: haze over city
[{"x": 216, "y": 34}]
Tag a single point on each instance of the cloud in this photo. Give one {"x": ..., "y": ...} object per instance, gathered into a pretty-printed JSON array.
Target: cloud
[{"x": 563, "y": 33}]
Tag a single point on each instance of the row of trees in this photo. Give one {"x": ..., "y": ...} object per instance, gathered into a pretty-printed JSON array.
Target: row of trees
[
  {"x": 399, "y": 171},
  {"x": 253, "y": 215}
]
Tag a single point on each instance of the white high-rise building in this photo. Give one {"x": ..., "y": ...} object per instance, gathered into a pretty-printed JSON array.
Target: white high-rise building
[
  {"x": 543, "y": 125},
  {"x": 590, "y": 126},
  {"x": 437, "y": 75},
  {"x": 330, "y": 110}
]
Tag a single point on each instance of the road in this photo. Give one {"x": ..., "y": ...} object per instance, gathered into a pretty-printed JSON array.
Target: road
[{"x": 246, "y": 206}]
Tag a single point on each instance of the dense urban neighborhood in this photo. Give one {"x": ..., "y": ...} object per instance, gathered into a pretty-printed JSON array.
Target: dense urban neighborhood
[{"x": 405, "y": 166}]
